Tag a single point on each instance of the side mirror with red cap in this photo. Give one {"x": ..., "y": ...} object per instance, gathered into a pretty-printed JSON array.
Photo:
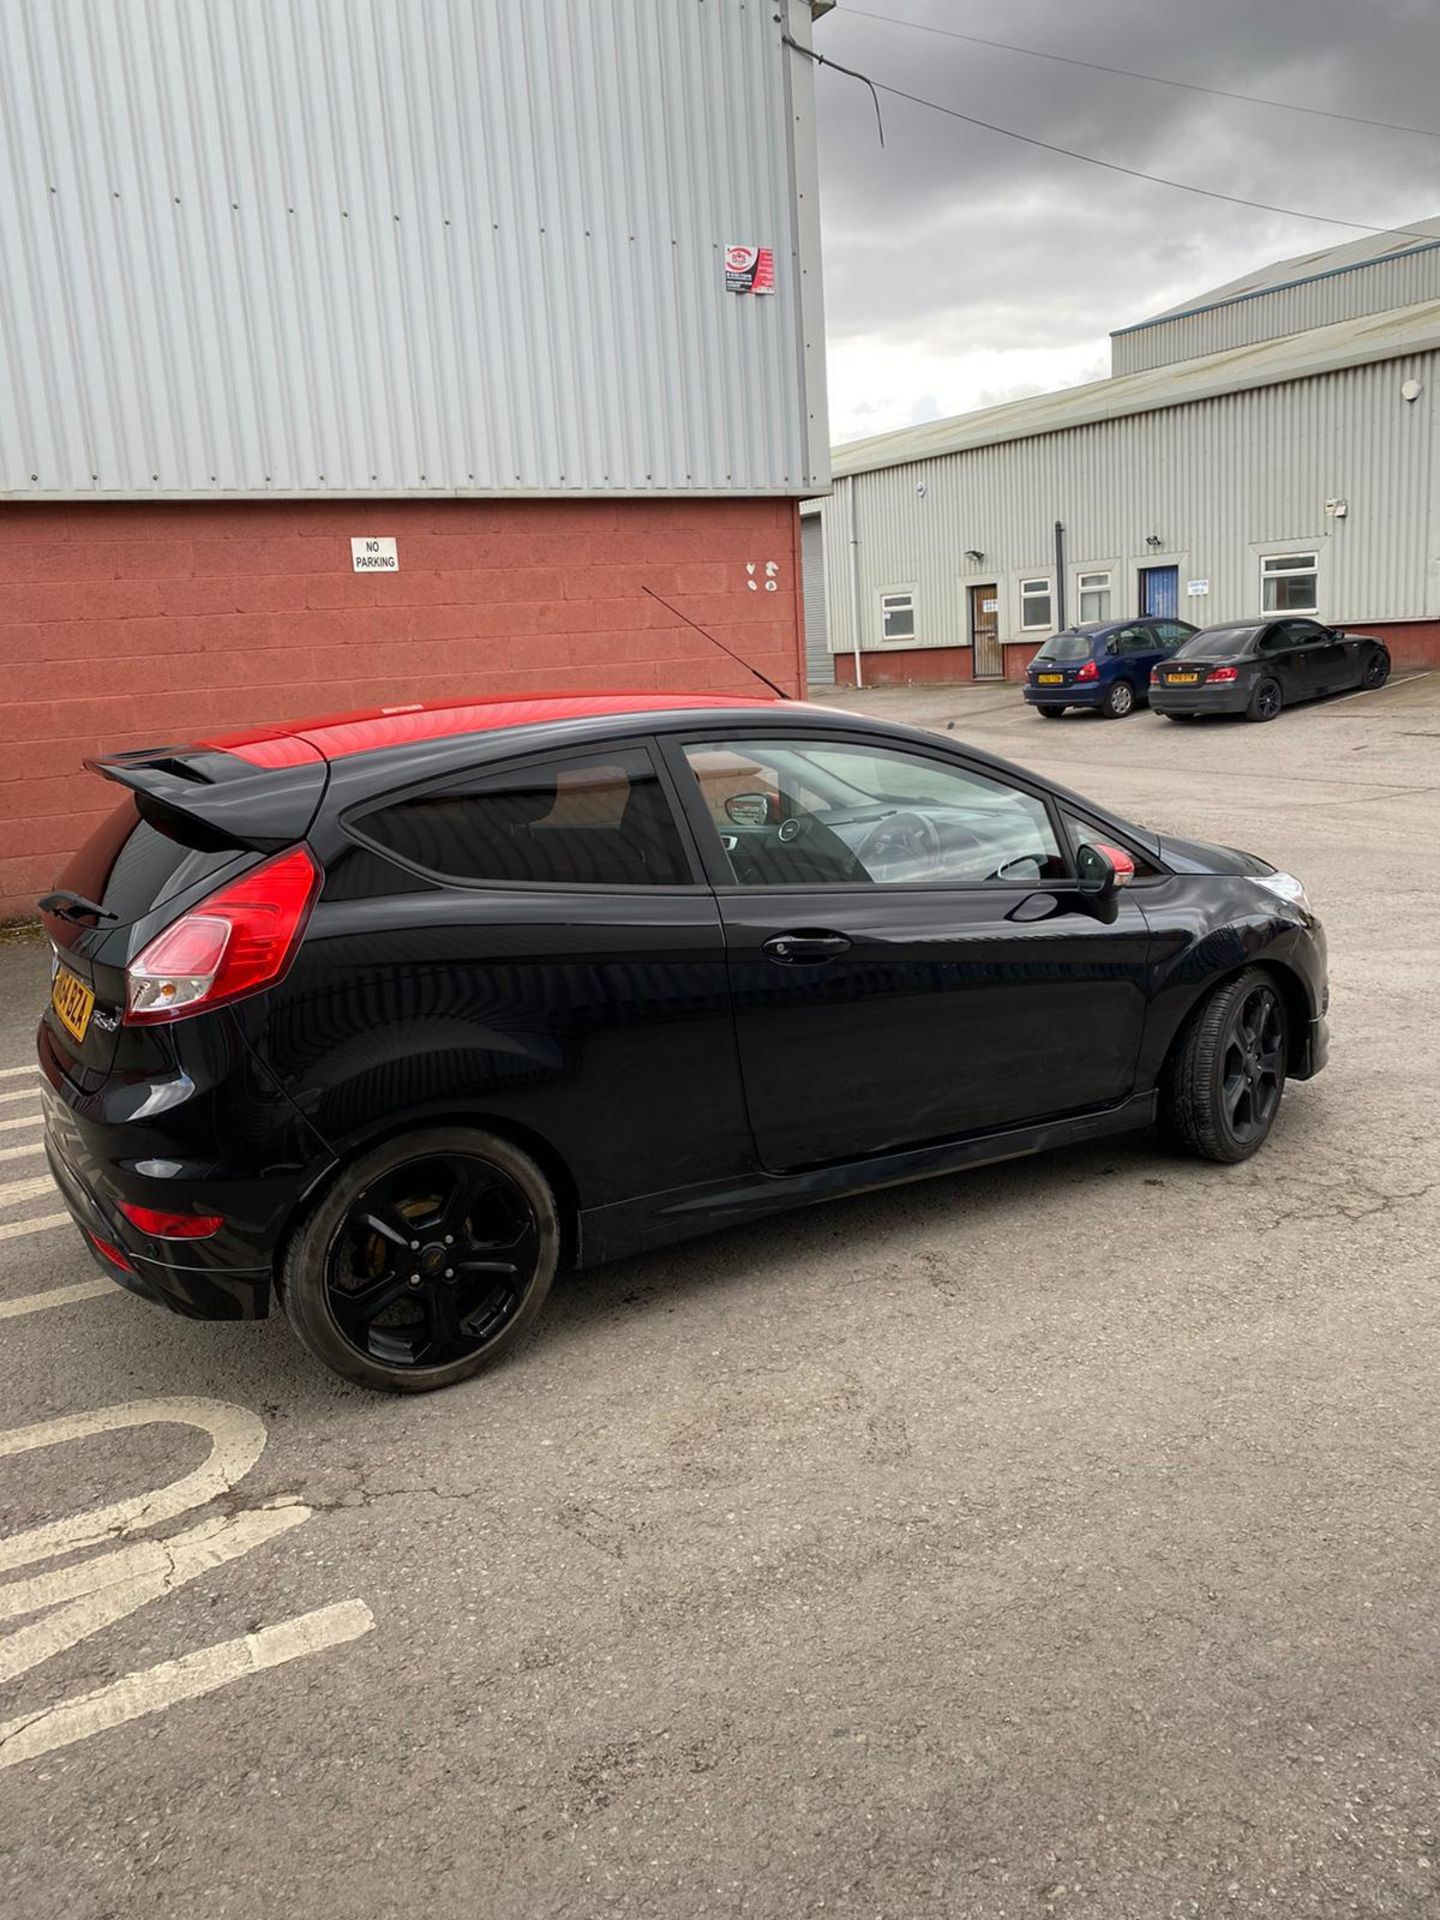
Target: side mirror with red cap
[{"x": 1101, "y": 868}]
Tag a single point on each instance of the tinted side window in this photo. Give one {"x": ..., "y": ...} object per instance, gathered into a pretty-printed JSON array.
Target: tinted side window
[{"x": 598, "y": 821}]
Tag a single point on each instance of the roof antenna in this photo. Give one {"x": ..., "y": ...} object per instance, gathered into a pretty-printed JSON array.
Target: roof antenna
[{"x": 779, "y": 692}]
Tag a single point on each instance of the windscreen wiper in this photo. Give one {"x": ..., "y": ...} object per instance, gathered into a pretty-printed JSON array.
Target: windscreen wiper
[{"x": 73, "y": 906}]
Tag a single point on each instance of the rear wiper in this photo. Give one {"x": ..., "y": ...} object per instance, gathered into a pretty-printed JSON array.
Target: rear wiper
[{"x": 71, "y": 906}]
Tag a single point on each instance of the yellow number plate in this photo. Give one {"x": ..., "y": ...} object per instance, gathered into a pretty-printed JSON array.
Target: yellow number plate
[
  {"x": 1181, "y": 679},
  {"x": 1051, "y": 679},
  {"x": 73, "y": 1003}
]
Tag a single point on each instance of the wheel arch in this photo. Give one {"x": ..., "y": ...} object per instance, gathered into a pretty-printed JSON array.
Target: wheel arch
[
  {"x": 1293, "y": 993},
  {"x": 543, "y": 1152}
]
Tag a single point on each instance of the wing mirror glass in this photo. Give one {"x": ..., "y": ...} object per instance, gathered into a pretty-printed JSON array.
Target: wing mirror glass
[
  {"x": 1100, "y": 868},
  {"x": 748, "y": 809}
]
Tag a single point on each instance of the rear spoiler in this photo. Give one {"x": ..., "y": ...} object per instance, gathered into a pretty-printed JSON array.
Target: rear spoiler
[{"x": 217, "y": 800}]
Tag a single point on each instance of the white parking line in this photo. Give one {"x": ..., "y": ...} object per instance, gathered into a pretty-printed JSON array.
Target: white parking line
[
  {"x": 22, "y": 1152},
  {"x": 237, "y": 1439},
  {"x": 12, "y": 1192},
  {"x": 14, "y": 1073},
  {"x": 20, "y": 1093},
  {"x": 30, "y": 1734},
  {"x": 20, "y": 1120},
  {"x": 42, "y": 1223},
  {"x": 56, "y": 1296}
]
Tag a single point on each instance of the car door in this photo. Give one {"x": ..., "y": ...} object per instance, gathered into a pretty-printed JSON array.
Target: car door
[
  {"x": 527, "y": 938},
  {"x": 908, "y": 959},
  {"x": 1329, "y": 660},
  {"x": 1283, "y": 648},
  {"x": 1143, "y": 647}
]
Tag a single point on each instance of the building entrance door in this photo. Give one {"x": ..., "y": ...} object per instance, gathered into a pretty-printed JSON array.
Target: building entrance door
[
  {"x": 985, "y": 632},
  {"x": 1160, "y": 592}
]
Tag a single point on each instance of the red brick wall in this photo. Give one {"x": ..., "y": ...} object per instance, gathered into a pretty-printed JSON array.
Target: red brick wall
[
  {"x": 1412, "y": 643},
  {"x": 139, "y": 625},
  {"x": 905, "y": 666}
]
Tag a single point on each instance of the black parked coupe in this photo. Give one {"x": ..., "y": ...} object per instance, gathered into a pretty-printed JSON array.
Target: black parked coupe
[
  {"x": 391, "y": 1014},
  {"x": 1263, "y": 665}
]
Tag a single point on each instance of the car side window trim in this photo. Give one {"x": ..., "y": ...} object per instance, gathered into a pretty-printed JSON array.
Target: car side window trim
[
  {"x": 716, "y": 861},
  {"x": 699, "y": 883}
]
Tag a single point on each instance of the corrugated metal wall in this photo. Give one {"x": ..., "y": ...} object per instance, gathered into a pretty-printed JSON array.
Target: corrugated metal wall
[
  {"x": 1346, "y": 295},
  {"x": 819, "y": 661},
  {"x": 404, "y": 246},
  {"x": 1217, "y": 483}
]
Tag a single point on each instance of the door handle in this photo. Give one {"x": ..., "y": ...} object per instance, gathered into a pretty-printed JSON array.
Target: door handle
[{"x": 805, "y": 949}]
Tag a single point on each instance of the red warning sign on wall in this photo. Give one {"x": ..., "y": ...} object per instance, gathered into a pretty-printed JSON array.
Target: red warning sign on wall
[{"x": 749, "y": 269}]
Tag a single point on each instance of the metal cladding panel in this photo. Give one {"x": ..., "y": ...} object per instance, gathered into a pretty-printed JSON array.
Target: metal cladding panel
[
  {"x": 1345, "y": 294},
  {"x": 819, "y": 661},
  {"x": 404, "y": 246},
  {"x": 1217, "y": 483}
]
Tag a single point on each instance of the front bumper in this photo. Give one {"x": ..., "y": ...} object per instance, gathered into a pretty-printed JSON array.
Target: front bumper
[{"x": 1228, "y": 698}]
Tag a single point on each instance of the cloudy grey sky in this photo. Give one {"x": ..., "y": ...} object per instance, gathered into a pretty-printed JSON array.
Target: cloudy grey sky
[{"x": 963, "y": 268}]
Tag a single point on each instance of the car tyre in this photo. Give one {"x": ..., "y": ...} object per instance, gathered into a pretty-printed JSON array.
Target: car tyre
[
  {"x": 1376, "y": 670},
  {"x": 442, "y": 1309},
  {"x": 1050, "y": 713},
  {"x": 1266, "y": 701},
  {"x": 1225, "y": 1078},
  {"x": 1119, "y": 700}
]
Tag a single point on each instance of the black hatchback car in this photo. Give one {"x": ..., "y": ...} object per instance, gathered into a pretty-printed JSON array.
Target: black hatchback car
[
  {"x": 1262, "y": 666},
  {"x": 390, "y": 1015}
]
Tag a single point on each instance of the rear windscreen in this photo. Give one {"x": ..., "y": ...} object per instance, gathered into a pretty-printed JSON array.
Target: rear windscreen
[
  {"x": 127, "y": 866},
  {"x": 1220, "y": 643},
  {"x": 1065, "y": 646}
]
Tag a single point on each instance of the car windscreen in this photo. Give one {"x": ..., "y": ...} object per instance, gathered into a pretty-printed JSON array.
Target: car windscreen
[
  {"x": 1066, "y": 646},
  {"x": 1217, "y": 643}
]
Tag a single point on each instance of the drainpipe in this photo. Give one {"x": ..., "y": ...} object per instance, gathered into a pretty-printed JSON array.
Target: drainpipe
[
  {"x": 854, "y": 579},
  {"x": 1059, "y": 577}
]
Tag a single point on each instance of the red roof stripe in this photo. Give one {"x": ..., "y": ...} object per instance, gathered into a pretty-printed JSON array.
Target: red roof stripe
[{"x": 337, "y": 735}]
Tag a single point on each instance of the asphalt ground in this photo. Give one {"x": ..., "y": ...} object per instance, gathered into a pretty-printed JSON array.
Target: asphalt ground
[{"x": 1055, "y": 1540}]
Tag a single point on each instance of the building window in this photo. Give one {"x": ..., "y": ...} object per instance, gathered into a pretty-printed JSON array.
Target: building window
[
  {"x": 897, "y": 617},
  {"x": 1288, "y": 583},
  {"x": 1034, "y": 605},
  {"x": 1094, "y": 597}
]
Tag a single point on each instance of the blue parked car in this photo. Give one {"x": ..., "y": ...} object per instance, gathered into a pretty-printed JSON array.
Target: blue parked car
[{"x": 1105, "y": 665}]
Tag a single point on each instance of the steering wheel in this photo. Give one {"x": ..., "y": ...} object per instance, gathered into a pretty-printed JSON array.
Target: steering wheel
[{"x": 898, "y": 837}]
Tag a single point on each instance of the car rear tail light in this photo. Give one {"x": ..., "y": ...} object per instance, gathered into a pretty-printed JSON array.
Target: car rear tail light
[
  {"x": 238, "y": 941},
  {"x": 1154, "y": 675},
  {"x": 1122, "y": 862},
  {"x": 108, "y": 1251},
  {"x": 172, "y": 1226},
  {"x": 1089, "y": 671},
  {"x": 1220, "y": 673}
]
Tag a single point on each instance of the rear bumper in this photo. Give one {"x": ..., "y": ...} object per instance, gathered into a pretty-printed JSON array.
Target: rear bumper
[
  {"x": 196, "y": 1292},
  {"x": 211, "y": 1136},
  {"x": 1090, "y": 695},
  {"x": 1201, "y": 699}
]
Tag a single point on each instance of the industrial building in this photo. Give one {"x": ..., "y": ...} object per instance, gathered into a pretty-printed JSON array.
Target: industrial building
[
  {"x": 358, "y": 356},
  {"x": 1273, "y": 445}
]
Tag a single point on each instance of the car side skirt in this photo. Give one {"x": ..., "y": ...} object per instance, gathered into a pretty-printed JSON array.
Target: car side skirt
[{"x": 680, "y": 1213}]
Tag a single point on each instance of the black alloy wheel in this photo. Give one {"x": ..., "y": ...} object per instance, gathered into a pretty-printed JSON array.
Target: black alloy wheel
[
  {"x": 1119, "y": 700},
  {"x": 1266, "y": 701},
  {"x": 1225, "y": 1079},
  {"x": 1050, "y": 713},
  {"x": 1376, "y": 671},
  {"x": 425, "y": 1261}
]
